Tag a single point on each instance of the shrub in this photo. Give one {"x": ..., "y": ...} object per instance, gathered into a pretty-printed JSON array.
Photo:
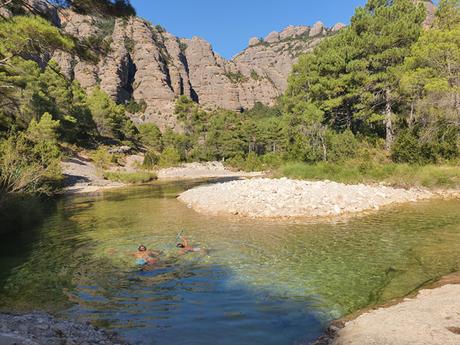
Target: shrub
[
  {"x": 406, "y": 149},
  {"x": 341, "y": 146},
  {"x": 130, "y": 177},
  {"x": 169, "y": 157},
  {"x": 151, "y": 159},
  {"x": 44, "y": 130},
  {"x": 102, "y": 158},
  {"x": 134, "y": 107},
  {"x": 150, "y": 136},
  {"x": 31, "y": 167}
]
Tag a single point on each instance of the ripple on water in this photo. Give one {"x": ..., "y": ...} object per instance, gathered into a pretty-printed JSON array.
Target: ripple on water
[{"x": 260, "y": 282}]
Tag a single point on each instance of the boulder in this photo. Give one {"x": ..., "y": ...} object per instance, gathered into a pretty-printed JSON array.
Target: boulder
[
  {"x": 338, "y": 27},
  {"x": 254, "y": 41},
  {"x": 272, "y": 37},
  {"x": 317, "y": 29},
  {"x": 293, "y": 31}
]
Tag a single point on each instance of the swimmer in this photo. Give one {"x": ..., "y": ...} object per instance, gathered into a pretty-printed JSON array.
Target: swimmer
[
  {"x": 144, "y": 256},
  {"x": 185, "y": 248}
]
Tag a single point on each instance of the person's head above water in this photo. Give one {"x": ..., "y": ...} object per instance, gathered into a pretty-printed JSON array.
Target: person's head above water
[{"x": 142, "y": 248}]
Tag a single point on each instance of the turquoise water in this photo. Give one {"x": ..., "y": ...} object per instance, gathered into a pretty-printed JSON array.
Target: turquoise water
[{"x": 259, "y": 282}]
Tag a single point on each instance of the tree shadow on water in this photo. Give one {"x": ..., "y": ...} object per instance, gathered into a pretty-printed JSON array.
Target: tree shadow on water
[{"x": 189, "y": 303}]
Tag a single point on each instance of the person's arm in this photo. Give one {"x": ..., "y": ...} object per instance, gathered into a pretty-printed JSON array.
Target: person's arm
[{"x": 184, "y": 241}]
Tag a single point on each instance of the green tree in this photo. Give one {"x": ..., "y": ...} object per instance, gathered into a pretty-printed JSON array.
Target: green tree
[
  {"x": 150, "y": 136},
  {"x": 431, "y": 82},
  {"x": 352, "y": 76},
  {"x": 43, "y": 130},
  {"x": 110, "y": 118}
]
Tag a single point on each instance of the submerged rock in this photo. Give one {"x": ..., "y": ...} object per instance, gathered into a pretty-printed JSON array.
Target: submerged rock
[{"x": 41, "y": 328}]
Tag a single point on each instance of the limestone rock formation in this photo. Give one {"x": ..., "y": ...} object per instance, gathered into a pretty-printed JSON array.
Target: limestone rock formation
[
  {"x": 144, "y": 63},
  {"x": 317, "y": 29},
  {"x": 338, "y": 27},
  {"x": 272, "y": 37},
  {"x": 253, "y": 41}
]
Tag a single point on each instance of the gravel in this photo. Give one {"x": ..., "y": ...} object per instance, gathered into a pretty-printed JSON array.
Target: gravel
[
  {"x": 41, "y": 328},
  {"x": 286, "y": 198}
]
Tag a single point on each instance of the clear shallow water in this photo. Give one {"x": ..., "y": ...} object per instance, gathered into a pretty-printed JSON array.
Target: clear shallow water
[{"x": 260, "y": 283}]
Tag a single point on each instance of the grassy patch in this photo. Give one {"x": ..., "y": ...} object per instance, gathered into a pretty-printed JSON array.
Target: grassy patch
[
  {"x": 130, "y": 177},
  {"x": 431, "y": 176}
]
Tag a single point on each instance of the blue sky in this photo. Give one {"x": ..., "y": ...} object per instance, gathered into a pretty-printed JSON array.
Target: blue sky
[{"x": 228, "y": 25}]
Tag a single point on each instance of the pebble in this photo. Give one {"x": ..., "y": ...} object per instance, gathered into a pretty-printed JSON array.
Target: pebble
[{"x": 286, "y": 198}]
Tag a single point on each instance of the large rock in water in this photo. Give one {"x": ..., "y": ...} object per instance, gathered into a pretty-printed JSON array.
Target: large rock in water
[{"x": 147, "y": 64}]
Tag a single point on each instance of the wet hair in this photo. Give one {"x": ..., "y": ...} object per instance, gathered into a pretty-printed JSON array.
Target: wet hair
[
  {"x": 180, "y": 245},
  {"x": 142, "y": 248}
]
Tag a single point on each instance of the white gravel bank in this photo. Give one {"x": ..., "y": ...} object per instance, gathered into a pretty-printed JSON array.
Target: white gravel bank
[
  {"x": 284, "y": 198},
  {"x": 201, "y": 170}
]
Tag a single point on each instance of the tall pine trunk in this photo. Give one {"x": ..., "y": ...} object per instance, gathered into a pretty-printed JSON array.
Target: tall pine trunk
[{"x": 388, "y": 121}]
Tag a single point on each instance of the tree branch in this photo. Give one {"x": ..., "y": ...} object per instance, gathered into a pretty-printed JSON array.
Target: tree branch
[{"x": 5, "y": 3}]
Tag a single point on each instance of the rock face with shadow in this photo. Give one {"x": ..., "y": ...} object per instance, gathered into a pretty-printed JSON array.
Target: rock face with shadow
[{"x": 140, "y": 62}]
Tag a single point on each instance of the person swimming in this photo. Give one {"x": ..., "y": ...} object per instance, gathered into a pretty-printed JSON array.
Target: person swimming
[
  {"x": 144, "y": 256},
  {"x": 185, "y": 248}
]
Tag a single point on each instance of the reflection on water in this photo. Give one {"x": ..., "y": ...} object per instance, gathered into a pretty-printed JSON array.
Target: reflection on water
[{"x": 260, "y": 282}]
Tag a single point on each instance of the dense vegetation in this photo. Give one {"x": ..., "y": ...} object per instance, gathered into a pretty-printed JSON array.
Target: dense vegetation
[
  {"x": 378, "y": 95},
  {"x": 382, "y": 91},
  {"x": 41, "y": 110}
]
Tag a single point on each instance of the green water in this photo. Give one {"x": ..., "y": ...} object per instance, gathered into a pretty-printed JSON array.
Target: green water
[{"x": 259, "y": 283}]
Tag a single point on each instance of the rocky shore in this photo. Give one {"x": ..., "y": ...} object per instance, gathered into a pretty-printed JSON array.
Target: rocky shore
[
  {"x": 41, "y": 328},
  {"x": 431, "y": 317},
  {"x": 285, "y": 198},
  {"x": 201, "y": 170},
  {"x": 82, "y": 177}
]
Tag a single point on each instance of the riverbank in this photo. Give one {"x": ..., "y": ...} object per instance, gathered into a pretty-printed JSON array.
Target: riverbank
[
  {"x": 286, "y": 198},
  {"x": 189, "y": 171},
  {"x": 429, "y": 317},
  {"x": 371, "y": 172},
  {"x": 81, "y": 175},
  {"x": 41, "y": 328}
]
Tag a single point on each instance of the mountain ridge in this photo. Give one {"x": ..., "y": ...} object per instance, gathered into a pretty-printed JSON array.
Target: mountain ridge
[{"x": 152, "y": 67}]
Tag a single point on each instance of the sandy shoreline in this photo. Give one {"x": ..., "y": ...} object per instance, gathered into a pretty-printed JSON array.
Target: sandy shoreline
[
  {"x": 286, "y": 198},
  {"x": 82, "y": 177}
]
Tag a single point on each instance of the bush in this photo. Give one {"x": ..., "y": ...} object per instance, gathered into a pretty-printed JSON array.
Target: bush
[
  {"x": 134, "y": 107},
  {"x": 341, "y": 146},
  {"x": 44, "y": 130},
  {"x": 169, "y": 157},
  {"x": 151, "y": 159},
  {"x": 360, "y": 171},
  {"x": 102, "y": 158},
  {"x": 130, "y": 177},
  {"x": 29, "y": 167},
  {"x": 406, "y": 149},
  {"x": 150, "y": 136}
]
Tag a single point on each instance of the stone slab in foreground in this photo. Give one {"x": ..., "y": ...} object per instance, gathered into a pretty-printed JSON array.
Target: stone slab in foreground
[
  {"x": 285, "y": 198},
  {"x": 433, "y": 318}
]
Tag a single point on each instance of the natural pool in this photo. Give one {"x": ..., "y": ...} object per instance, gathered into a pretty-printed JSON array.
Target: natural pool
[{"x": 260, "y": 283}]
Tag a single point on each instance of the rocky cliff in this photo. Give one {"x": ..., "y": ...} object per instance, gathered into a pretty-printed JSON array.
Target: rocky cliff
[{"x": 144, "y": 63}]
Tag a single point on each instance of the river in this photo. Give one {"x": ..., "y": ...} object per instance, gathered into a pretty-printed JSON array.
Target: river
[{"x": 260, "y": 282}]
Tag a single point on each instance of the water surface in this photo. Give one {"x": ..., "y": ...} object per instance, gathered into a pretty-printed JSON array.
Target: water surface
[{"x": 259, "y": 283}]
